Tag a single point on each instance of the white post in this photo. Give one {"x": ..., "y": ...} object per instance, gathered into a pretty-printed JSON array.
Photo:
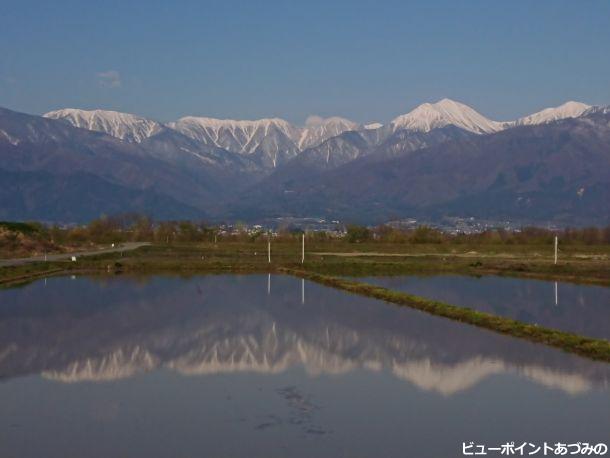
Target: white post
[
  {"x": 556, "y": 295},
  {"x": 556, "y": 242},
  {"x": 269, "y": 284},
  {"x": 269, "y": 251},
  {"x": 302, "y": 290},
  {"x": 303, "y": 250}
]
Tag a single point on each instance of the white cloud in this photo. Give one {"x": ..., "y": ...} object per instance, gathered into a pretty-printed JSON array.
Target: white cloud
[
  {"x": 109, "y": 78},
  {"x": 314, "y": 120}
]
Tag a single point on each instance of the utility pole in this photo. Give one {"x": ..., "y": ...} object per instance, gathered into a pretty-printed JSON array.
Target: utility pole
[{"x": 556, "y": 243}]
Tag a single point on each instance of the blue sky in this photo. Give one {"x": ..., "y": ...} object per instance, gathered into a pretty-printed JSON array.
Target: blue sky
[{"x": 365, "y": 60}]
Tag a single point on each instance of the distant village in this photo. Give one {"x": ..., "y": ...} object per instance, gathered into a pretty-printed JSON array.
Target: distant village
[{"x": 336, "y": 228}]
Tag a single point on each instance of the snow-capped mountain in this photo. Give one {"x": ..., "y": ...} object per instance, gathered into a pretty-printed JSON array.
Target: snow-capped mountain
[
  {"x": 270, "y": 140},
  {"x": 461, "y": 175},
  {"x": 597, "y": 110},
  {"x": 237, "y": 169},
  {"x": 319, "y": 129},
  {"x": 49, "y": 161},
  {"x": 443, "y": 113},
  {"x": 276, "y": 140},
  {"x": 158, "y": 140},
  {"x": 446, "y": 112},
  {"x": 331, "y": 153},
  {"x": 567, "y": 110},
  {"x": 426, "y": 125},
  {"x": 128, "y": 127}
]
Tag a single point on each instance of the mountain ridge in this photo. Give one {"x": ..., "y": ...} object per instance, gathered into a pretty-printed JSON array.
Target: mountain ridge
[
  {"x": 125, "y": 126},
  {"x": 557, "y": 171},
  {"x": 569, "y": 109},
  {"x": 429, "y": 116},
  {"x": 260, "y": 167}
]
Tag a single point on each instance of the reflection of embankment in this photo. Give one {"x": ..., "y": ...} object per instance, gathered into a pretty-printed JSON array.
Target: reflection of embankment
[{"x": 216, "y": 325}]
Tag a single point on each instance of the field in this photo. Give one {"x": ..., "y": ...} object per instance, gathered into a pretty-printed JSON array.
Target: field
[{"x": 577, "y": 263}]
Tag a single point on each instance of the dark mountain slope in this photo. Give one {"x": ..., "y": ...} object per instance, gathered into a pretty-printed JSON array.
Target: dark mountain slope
[
  {"x": 79, "y": 197},
  {"x": 308, "y": 170},
  {"x": 136, "y": 176},
  {"x": 558, "y": 171}
]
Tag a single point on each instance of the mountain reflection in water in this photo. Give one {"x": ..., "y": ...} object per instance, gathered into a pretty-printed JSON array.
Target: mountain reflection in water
[{"x": 101, "y": 329}]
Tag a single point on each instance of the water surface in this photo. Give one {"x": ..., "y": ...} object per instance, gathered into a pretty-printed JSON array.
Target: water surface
[
  {"x": 263, "y": 366},
  {"x": 583, "y": 309}
]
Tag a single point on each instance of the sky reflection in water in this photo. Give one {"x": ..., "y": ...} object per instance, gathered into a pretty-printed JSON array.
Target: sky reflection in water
[{"x": 270, "y": 366}]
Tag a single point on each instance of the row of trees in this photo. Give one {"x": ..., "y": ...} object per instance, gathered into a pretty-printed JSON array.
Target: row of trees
[
  {"x": 130, "y": 227},
  {"x": 138, "y": 228},
  {"x": 134, "y": 228}
]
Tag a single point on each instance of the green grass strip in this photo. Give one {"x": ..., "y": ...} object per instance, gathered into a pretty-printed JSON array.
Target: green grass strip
[
  {"x": 597, "y": 349},
  {"x": 7, "y": 282}
]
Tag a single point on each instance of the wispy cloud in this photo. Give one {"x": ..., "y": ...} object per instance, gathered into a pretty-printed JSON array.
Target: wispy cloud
[
  {"x": 109, "y": 78},
  {"x": 314, "y": 120}
]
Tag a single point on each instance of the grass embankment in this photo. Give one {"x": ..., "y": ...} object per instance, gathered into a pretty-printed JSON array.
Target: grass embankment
[
  {"x": 596, "y": 349},
  {"x": 13, "y": 276},
  {"x": 175, "y": 259}
]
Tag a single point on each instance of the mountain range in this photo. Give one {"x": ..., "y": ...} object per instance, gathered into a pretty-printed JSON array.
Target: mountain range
[{"x": 440, "y": 159}]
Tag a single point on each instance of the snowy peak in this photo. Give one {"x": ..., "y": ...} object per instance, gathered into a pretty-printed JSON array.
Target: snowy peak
[
  {"x": 319, "y": 129},
  {"x": 192, "y": 124},
  {"x": 597, "y": 110},
  {"x": 443, "y": 113},
  {"x": 215, "y": 123},
  {"x": 272, "y": 140},
  {"x": 125, "y": 126},
  {"x": 269, "y": 140},
  {"x": 333, "y": 121},
  {"x": 238, "y": 136},
  {"x": 567, "y": 110},
  {"x": 447, "y": 112}
]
